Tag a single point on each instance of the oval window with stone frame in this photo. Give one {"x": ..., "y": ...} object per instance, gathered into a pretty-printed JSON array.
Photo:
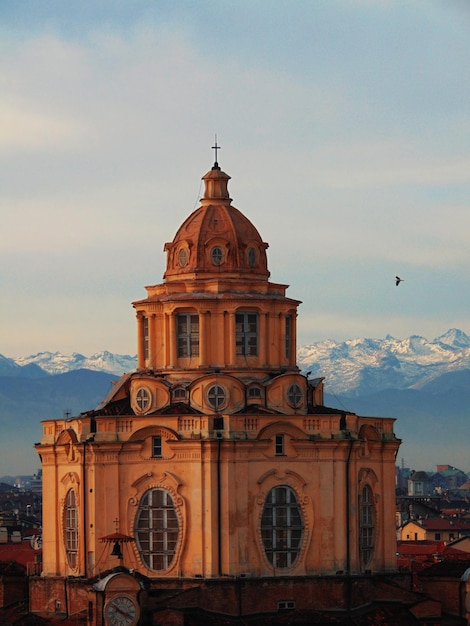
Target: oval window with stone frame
[
  {"x": 183, "y": 257},
  {"x": 217, "y": 255},
  {"x": 294, "y": 395},
  {"x": 216, "y": 397},
  {"x": 142, "y": 399}
]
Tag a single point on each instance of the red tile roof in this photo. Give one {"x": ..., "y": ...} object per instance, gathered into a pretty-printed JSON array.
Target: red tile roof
[
  {"x": 417, "y": 548},
  {"x": 19, "y": 552},
  {"x": 438, "y": 523}
]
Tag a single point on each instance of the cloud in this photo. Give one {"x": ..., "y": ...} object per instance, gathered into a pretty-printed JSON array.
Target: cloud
[{"x": 344, "y": 132}]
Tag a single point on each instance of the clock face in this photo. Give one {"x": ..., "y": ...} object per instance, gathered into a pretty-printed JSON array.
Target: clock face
[{"x": 121, "y": 611}]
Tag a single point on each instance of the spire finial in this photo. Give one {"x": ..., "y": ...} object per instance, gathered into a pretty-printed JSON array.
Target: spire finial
[{"x": 216, "y": 147}]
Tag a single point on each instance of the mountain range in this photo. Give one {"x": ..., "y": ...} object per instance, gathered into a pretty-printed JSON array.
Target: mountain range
[{"x": 424, "y": 384}]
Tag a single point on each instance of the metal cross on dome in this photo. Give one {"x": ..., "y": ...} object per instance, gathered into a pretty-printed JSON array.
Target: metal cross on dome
[{"x": 216, "y": 147}]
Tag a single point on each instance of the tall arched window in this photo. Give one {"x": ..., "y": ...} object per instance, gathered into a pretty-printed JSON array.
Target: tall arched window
[
  {"x": 156, "y": 529},
  {"x": 71, "y": 528},
  {"x": 282, "y": 527},
  {"x": 366, "y": 524}
]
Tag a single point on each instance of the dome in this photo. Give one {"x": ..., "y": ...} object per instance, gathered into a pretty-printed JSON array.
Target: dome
[{"x": 216, "y": 239}]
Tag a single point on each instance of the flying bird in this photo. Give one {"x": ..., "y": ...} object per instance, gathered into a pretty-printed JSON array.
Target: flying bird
[{"x": 398, "y": 280}]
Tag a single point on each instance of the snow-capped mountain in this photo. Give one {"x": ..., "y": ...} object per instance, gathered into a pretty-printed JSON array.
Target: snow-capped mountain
[
  {"x": 56, "y": 363},
  {"x": 352, "y": 367},
  {"x": 424, "y": 384},
  {"x": 359, "y": 366}
]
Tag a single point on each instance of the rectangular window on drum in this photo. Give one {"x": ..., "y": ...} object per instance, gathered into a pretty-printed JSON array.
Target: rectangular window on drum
[
  {"x": 146, "y": 337},
  {"x": 288, "y": 335},
  {"x": 246, "y": 327},
  {"x": 187, "y": 331}
]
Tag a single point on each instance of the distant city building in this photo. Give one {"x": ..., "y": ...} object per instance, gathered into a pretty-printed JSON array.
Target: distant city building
[
  {"x": 419, "y": 484},
  {"x": 434, "y": 529}
]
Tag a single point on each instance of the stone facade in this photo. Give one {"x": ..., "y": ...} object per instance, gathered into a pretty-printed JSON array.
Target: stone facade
[{"x": 217, "y": 459}]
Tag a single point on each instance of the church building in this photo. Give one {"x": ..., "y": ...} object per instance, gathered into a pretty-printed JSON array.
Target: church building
[{"x": 215, "y": 463}]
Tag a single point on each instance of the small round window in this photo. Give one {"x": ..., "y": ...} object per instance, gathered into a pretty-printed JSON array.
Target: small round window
[
  {"x": 294, "y": 395},
  {"x": 183, "y": 257},
  {"x": 142, "y": 399},
  {"x": 216, "y": 397},
  {"x": 251, "y": 257},
  {"x": 217, "y": 255}
]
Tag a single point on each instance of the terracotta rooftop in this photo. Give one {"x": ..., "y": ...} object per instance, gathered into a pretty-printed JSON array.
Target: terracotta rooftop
[{"x": 20, "y": 552}]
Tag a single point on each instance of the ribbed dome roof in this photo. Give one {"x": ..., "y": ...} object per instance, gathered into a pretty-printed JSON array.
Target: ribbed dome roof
[{"x": 216, "y": 239}]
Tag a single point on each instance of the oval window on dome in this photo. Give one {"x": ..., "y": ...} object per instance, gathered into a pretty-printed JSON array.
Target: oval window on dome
[
  {"x": 217, "y": 255},
  {"x": 183, "y": 257},
  {"x": 216, "y": 396},
  {"x": 251, "y": 257},
  {"x": 142, "y": 399},
  {"x": 294, "y": 395}
]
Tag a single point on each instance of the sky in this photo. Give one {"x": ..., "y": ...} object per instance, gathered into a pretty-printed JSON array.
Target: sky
[{"x": 344, "y": 125}]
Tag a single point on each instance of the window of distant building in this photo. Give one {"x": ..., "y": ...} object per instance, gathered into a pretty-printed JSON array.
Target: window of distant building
[
  {"x": 366, "y": 525},
  {"x": 157, "y": 529},
  {"x": 294, "y": 395},
  {"x": 251, "y": 257},
  {"x": 246, "y": 334},
  {"x": 216, "y": 396},
  {"x": 71, "y": 528},
  {"x": 282, "y": 527},
  {"x": 187, "y": 329},
  {"x": 283, "y": 605}
]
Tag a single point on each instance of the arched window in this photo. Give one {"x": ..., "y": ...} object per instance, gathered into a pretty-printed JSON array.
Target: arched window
[
  {"x": 71, "y": 528},
  {"x": 282, "y": 527},
  {"x": 366, "y": 524},
  {"x": 156, "y": 529},
  {"x": 254, "y": 393},
  {"x": 180, "y": 394}
]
